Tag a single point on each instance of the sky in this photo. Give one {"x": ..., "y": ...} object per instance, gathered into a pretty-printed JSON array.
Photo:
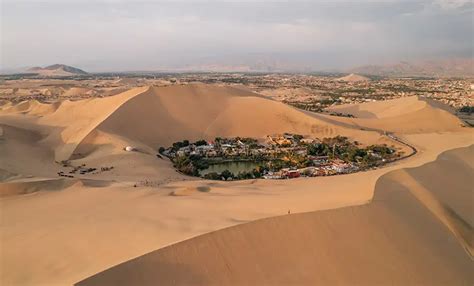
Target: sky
[{"x": 127, "y": 35}]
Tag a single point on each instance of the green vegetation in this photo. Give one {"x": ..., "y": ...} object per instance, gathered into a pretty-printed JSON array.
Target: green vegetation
[
  {"x": 200, "y": 143},
  {"x": 467, "y": 109},
  {"x": 283, "y": 152},
  {"x": 180, "y": 144},
  {"x": 190, "y": 165}
]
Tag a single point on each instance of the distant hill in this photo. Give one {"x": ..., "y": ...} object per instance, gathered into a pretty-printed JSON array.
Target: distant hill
[
  {"x": 57, "y": 70},
  {"x": 353, "y": 78},
  {"x": 439, "y": 68}
]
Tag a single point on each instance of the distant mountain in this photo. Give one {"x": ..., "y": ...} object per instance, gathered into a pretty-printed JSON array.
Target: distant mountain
[
  {"x": 56, "y": 70},
  {"x": 439, "y": 68},
  {"x": 353, "y": 78}
]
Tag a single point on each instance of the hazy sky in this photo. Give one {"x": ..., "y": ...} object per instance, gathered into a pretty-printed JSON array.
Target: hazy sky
[{"x": 150, "y": 35}]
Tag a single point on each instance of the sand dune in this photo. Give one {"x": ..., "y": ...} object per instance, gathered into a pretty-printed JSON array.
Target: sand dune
[
  {"x": 98, "y": 228},
  {"x": 22, "y": 154},
  {"x": 353, "y": 78},
  {"x": 95, "y": 131},
  {"x": 143, "y": 204},
  {"x": 405, "y": 116},
  {"x": 76, "y": 91},
  {"x": 450, "y": 200},
  {"x": 382, "y": 109},
  {"x": 73, "y": 121},
  {"x": 29, "y": 187},
  {"x": 164, "y": 115},
  {"x": 31, "y": 107},
  {"x": 395, "y": 240},
  {"x": 158, "y": 116}
]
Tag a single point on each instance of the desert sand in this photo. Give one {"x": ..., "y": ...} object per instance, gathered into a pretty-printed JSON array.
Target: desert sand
[
  {"x": 366, "y": 245},
  {"x": 380, "y": 109},
  {"x": 353, "y": 78},
  {"x": 77, "y": 227}
]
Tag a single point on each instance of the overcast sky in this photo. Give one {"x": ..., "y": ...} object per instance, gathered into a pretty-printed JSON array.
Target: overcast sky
[{"x": 152, "y": 35}]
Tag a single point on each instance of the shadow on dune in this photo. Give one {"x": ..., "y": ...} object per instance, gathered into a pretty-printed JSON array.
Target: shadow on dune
[
  {"x": 154, "y": 266},
  {"x": 397, "y": 239}
]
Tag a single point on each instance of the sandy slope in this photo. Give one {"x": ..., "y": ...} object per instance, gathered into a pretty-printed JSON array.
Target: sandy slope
[
  {"x": 101, "y": 220},
  {"x": 158, "y": 116},
  {"x": 353, "y": 78},
  {"x": 161, "y": 116},
  {"x": 32, "y": 107},
  {"x": 382, "y": 109},
  {"x": 21, "y": 153},
  {"x": 125, "y": 222},
  {"x": 73, "y": 121},
  {"x": 76, "y": 91},
  {"x": 409, "y": 115},
  {"x": 94, "y": 131},
  {"x": 394, "y": 240}
]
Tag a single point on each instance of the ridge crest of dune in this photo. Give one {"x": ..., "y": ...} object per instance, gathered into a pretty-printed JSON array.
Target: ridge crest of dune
[
  {"x": 399, "y": 237},
  {"x": 382, "y": 109},
  {"x": 75, "y": 120},
  {"x": 406, "y": 115},
  {"x": 30, "y": 107},
  {"x": 164, "y": 115}
]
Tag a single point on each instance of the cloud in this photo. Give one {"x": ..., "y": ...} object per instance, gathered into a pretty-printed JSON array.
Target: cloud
[
  {"x": 108, "y": 35},
  {"x": 453, "y": 4}
]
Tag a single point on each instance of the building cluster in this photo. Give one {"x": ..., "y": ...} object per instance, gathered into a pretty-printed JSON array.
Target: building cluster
[
  {"x": 278, "y": 156},
  {"x": 242, "y": 147},
  {"x": 312, "y": 88},
  {"x": 323, "y": 166},
  {"x": 315, "y": 91}
]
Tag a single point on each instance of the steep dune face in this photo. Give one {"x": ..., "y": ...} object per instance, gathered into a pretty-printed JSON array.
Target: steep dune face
[
  {"x": 353, "y": 78},
  {"x": 426, "y": 120},
  {"x": 159, "y": 116},
  {"x": 397, "y": 239},
  {"x": 22, "y": 153},
  {"x": 153, "y": 119},
  {"x": 448, "y": 197},
  {"x": 164, "y": 115},
  {"x": 30, "y": 107},
  {"x": 405, "y": 234},
  {"x": 73, "y": 121},
  {"x": 382, "y": 109},
  {"x": 149, "y": 117},
  {"x": 405, "y": 115},
  {"x": 95, "y": 131}
]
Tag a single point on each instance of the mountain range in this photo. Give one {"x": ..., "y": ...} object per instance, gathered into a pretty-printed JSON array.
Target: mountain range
[
  {"x": 432, "y": 68},
  {"x": 57, "y": 70}
]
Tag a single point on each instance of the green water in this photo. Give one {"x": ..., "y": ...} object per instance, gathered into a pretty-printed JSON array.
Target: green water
[{"x": 234, "y": 167}]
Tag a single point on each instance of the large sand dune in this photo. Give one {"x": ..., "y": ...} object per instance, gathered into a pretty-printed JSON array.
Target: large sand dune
[
  {"x": 150, "y": 117},
  {"x": 394, "y": 240},
  {"x": 353, "y": 78},
  {"x": 159, "y": 116},
  {"x": 405, "y": 116},
  {"x": 382, "y": 109},
  {"x": 164, "y": 115},
  {"x": 70, "y": 229}
]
